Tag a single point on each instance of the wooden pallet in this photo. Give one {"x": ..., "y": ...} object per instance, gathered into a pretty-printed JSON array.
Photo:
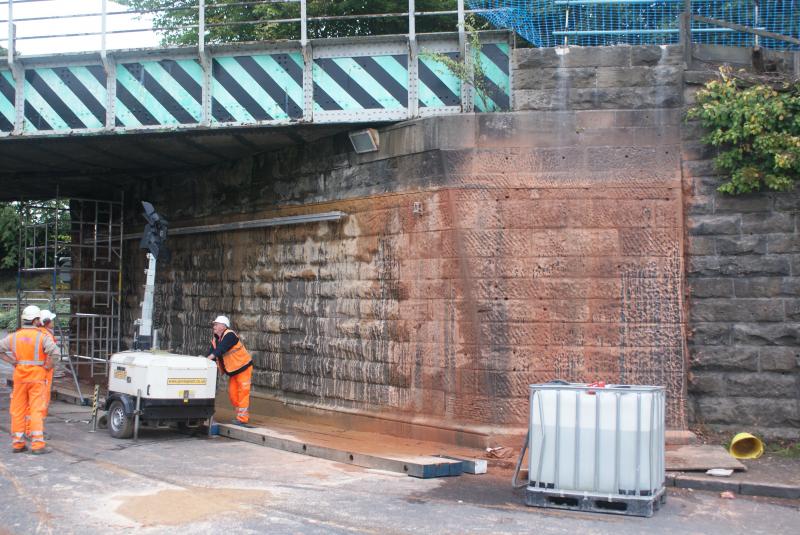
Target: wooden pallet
[{"x": 596, "y": 503}]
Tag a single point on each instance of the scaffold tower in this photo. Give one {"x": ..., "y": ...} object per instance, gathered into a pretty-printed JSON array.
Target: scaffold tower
[{"x": 70, "y": 261}]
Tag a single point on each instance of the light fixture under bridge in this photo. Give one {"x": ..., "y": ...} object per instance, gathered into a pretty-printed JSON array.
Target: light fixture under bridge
[{"x": 364, "y": 141}]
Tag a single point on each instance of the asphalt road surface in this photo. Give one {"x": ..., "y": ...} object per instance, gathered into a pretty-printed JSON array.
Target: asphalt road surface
[{"x": 166, "y": 482}]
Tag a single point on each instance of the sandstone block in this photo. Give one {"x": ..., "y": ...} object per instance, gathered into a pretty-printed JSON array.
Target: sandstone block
[
  {"x": 783, "y": 243},
  {"x": 639, "y": 76},
  {"x": 778, "y": 359},
  {"x": 701, "y": 225},
  {"x": 773, "y": 385},
  {"x": 779, "y": 334},
  {"x": 700, "y": 287},
  {"x": 767, "y": 287},
  {"x": 754, "y": 202},
  {"x": 747, "y": 244},
  {"x": 706, "y": 383},
  {"x": 724, "y": 358},
  {"x": 754, "y": 265},
  {"x": 651, "y": 55},
  {"x": 732, "y": 310},
  {"x": 700, "y": 205},
  {"x": 710, "y": 334},
  {"x": 760, "y": 411},
  {"x": 787, "y": 202},
  {"x": 769, "y": 224}
]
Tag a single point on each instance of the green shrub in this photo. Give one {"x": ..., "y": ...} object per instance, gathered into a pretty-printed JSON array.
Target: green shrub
[{"x": 756, "y": 126}]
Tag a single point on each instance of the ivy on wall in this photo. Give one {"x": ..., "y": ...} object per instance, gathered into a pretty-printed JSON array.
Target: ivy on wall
[{"x": 755, "y": 124}]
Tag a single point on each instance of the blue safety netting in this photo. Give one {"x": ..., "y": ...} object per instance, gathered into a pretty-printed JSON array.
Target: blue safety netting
[{"x": 608, "y": 22}]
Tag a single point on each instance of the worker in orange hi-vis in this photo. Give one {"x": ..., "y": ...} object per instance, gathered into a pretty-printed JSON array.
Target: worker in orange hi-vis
[
  {"x": 233, "y": 360},
  {"x": 32, "y": 353},
  {"x": 47, "y": 326}
]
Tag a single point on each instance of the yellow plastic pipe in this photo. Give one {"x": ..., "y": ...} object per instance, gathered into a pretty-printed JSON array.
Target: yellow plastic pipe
[{"x": 746, "y": 446}]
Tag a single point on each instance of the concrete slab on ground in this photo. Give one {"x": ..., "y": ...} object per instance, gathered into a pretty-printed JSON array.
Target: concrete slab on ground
[
  {"x": 415, "y": 458},
  {"x": 700, "y": 457}
]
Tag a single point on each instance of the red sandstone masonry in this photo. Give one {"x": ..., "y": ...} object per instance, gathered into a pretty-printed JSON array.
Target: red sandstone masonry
[{"x": 525, "y": 265}]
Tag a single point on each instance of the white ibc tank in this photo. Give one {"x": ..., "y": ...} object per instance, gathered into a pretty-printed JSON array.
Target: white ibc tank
[{"x": 602, "y": 440}]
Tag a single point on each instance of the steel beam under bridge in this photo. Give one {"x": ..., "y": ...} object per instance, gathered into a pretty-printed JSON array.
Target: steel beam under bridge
[{"x": 329, "y": 81}]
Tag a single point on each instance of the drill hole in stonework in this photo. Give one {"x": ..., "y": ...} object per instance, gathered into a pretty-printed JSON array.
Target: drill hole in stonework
[
  {"x": 304, "y": 447},
  {"x": 416, "y": 208},
  {"x": 351, "y": 456}
]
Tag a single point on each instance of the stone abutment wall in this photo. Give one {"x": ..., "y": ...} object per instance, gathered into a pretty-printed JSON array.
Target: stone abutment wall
[
  {"x": 480, "y": 254},
  {"x": 743, "y": 277}
]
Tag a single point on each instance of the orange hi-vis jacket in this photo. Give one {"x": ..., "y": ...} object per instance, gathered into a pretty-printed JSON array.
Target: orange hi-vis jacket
[
  {"x": 236, "y": 359},
  {"x": 28, "y": 347},
  {"x": 47, "y": 331}
]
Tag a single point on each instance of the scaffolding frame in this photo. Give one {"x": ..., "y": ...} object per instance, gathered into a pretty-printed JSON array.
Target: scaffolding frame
[{"x": 78, "y": 243}]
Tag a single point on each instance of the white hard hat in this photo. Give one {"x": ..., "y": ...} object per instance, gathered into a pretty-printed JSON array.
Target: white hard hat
[
  {"x": 47, "y": 316},
  {"x": 30, "y": 313},
  {"x": 223, "y": 320}
]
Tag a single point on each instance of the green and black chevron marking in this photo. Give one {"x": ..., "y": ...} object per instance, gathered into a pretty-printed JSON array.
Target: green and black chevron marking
[
  {"x": 440, "y": 88},
  {"x": 65, "y": 98},
  {"x": 153, "y": 93},
  {"x": 495, "y": 62},
  {"x": 361, "y": 83},
  {"x": 248, "y": 89},
  {"x": 7, "y": 94}
]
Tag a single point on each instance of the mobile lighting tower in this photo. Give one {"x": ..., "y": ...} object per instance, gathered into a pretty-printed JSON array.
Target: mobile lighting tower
[{"x": 150, "y": 387}]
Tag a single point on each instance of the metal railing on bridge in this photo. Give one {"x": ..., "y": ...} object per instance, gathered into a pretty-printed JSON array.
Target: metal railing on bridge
[
  {"x": 747, "y": 23},
  {"x": 207, "y": 83}
]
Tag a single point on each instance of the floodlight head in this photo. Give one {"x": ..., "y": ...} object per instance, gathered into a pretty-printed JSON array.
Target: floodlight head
[
  {"x": 364, "y": 141},
  {"x": 155, "y": 233}
]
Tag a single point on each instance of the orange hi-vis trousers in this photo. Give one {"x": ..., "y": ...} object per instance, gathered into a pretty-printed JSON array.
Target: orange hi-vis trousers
[
  {"x": 48, "y": 391},
  {"x": 28, "y": 400},
  {"x": 239, "y": 394}
]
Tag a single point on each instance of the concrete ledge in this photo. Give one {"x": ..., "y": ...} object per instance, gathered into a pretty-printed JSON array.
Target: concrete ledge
[
  {"x": 712, "y": 484},
  {"x": 773, "y": 490},
  {"x": 429, "y": 431},
  {"x": 684, "y": 481},
  {"x": 415, "y": 466}
]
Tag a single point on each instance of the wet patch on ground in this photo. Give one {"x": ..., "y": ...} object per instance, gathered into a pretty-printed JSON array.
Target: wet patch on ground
[{"x": 181, "y": 506}]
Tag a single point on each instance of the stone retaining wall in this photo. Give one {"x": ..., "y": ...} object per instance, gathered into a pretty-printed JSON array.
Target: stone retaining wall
[
  {"x": 480, "y": 254},
  {"x": 483, "y": 253},
  {"x": 743, "y": 275}
]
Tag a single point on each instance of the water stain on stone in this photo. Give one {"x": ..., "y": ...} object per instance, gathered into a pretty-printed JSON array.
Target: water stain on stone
[{"x": 182, "y": 506}]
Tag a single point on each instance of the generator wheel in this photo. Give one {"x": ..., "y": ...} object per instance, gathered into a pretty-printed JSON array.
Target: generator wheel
[{"x": 120, "y": 424}]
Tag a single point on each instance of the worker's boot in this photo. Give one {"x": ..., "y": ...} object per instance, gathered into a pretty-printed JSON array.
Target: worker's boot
[
  {"x": 241, "y": 423},
  {"x": 20, "y": 449},
  {"x": 41, "y": 451}
]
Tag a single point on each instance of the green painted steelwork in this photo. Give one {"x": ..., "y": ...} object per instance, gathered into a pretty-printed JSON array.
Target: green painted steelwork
[{"x": 343, "y": 81}]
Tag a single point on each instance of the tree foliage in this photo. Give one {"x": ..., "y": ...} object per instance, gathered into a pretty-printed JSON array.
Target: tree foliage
[
  {"x": 41, "y": 221},
  {"x": 173, "y": 25},
  {"x": 756, "y": 126},
  {"x": 9, "y": 235}
]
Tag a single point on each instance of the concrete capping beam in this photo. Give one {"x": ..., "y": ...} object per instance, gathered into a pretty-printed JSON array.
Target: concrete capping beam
[
  {"x": 701, "y": 481},
  {"x": 423, "y": 467}
]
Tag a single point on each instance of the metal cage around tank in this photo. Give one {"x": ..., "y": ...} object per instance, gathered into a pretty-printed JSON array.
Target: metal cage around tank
[{"x": 596, "y": 448}]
